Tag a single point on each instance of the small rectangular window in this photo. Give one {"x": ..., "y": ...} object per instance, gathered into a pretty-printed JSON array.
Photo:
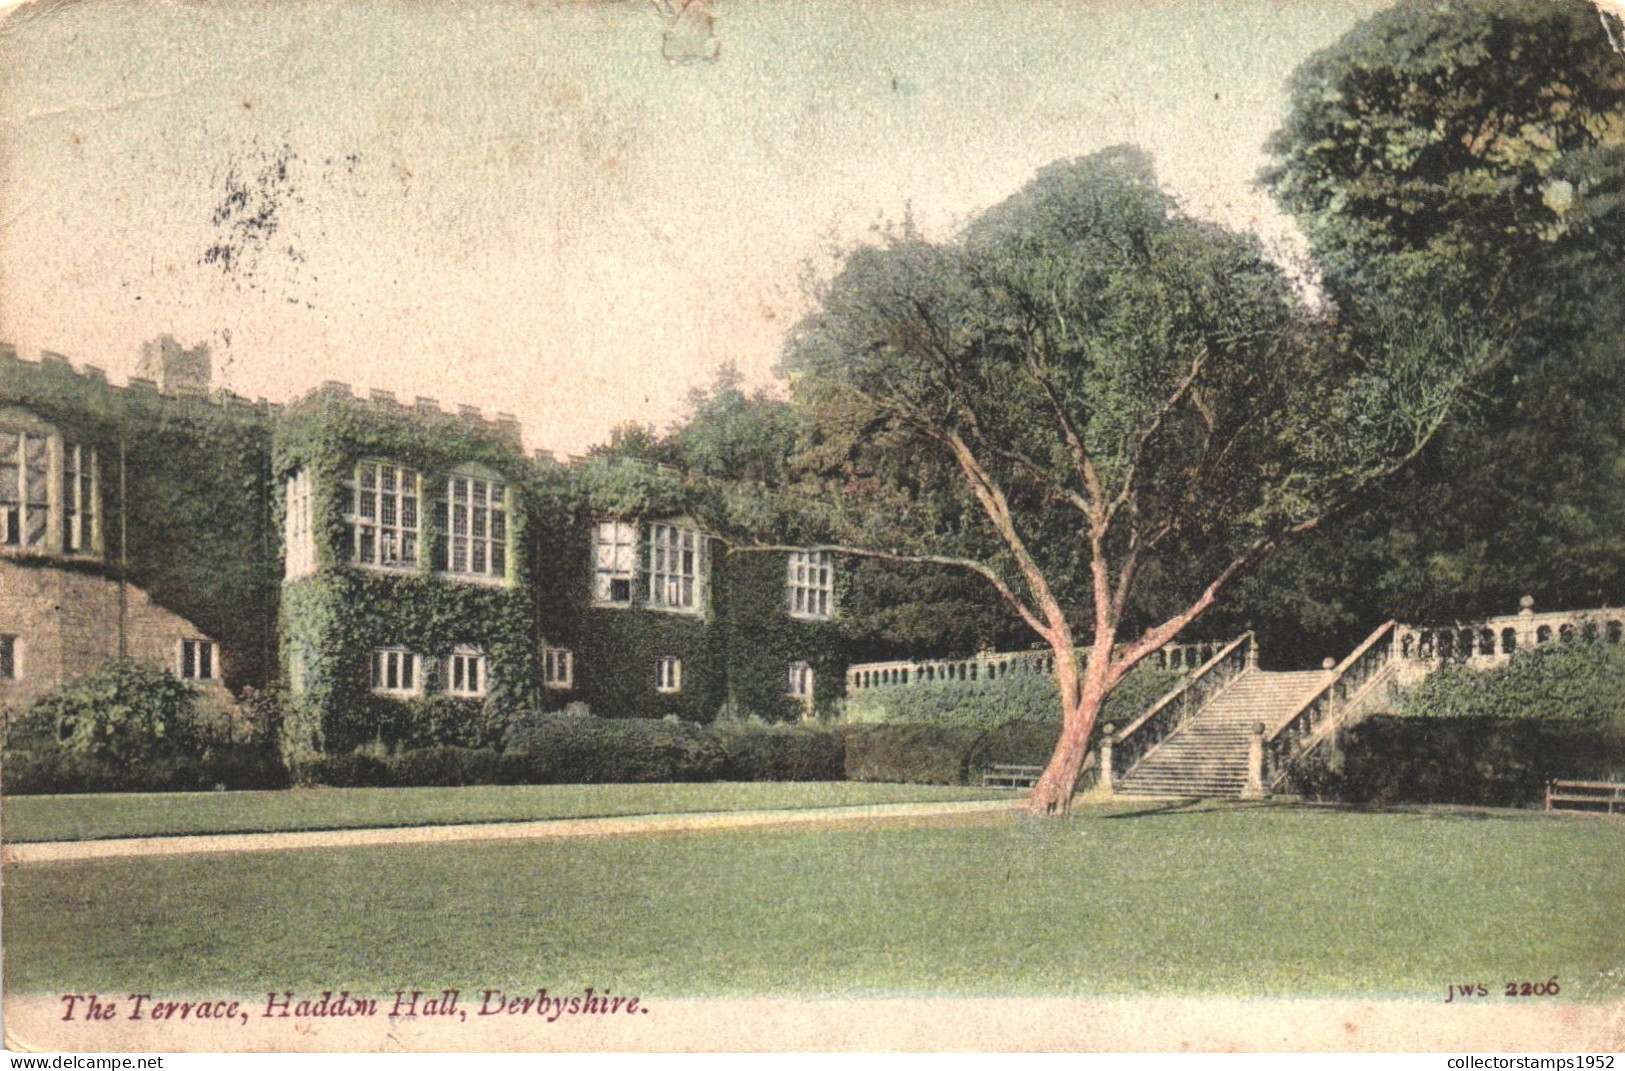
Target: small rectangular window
[
  {"x": 669, "y": 675},
  {"x": 800, "y": 682},
  {"x": 558, "y": 668},
  {"x": 466, "y": 674},
  {"x": 396, "y": 671},
  {"x": 9, "y": 661},
  {"x": 199, "y": 660}
]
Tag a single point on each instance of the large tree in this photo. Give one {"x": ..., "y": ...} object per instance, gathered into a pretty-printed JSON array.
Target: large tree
[
  {"x": 1469, "y": 155},
  {"x": 1109, "y": 410}
]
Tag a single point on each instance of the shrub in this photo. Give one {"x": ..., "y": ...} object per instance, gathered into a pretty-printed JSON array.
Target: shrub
[
  {"x": 1501, "y": 762},
  {"x": 1574, "y": 681},
  {"x": 986, "y": 704},
  {"x": 123, "y": 714},
  {"x": 557, "y": 748},
  {"x": 978, "y": 704},
  {"x": 759, "y": 752},
  {"x": 916, "y": 754},
  {"x": 446, "y": 766}
]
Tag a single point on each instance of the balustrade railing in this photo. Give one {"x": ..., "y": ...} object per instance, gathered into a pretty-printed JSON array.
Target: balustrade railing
[
  {"x": 983, "y": 667},
  {"x": 1495, "y": 639},
  {"x": 1174, "y": 709},
  {"x": 1326, "y": 707},
  {"x": 993, "y": 665}
]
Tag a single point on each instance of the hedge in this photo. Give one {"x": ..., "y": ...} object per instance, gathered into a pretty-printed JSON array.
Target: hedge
[
  {"x": 1577, "y": 681},
  {"x": 1498, "y": 762},
  {"x": 943, "y": 755},
  {"x": 543, "y": 749},
  {"x": 985, "y": 704},
  {"x": 30, "y": 773}
]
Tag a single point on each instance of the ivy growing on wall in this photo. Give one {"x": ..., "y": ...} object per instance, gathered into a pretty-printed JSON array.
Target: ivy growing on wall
[
  {"x": 192, "y": 506},
  {"x": 333, "y": 620}
]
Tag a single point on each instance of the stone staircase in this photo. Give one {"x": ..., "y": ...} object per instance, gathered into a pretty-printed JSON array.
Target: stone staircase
[{"x": 1207, "y": 756}]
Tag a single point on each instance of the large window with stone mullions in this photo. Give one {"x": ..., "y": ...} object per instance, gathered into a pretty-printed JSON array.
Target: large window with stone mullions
[
  {"x": 674, "y": 568},
  {"x": 47, "y": 493},
  {"x": 614, "y": 559},
  {"x": 25, "y": 497},
  {"x": 474, "y": 518},
  {"x": 382, "y": 512},
  {"x": 811, "y": 584}
]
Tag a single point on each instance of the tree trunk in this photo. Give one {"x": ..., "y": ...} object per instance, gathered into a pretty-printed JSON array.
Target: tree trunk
[{"x": 1053, "y": 793}]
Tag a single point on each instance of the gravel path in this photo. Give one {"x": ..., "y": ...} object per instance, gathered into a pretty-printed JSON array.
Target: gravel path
[{"x": 77, "y": 851}]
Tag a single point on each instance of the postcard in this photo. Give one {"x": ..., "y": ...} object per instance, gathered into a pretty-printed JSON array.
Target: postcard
[{"x": 747, "y": 525}]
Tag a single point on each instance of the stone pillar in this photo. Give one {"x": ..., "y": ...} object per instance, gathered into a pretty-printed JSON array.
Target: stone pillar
[
  {"x": 1254, "y": 789},
  {"x": 1105, "y": 780}
]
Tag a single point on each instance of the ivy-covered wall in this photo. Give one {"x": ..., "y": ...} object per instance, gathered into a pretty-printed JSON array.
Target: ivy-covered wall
[
  {"x": 192, "y": 496},
  {"x": 184, "y": 496},
  {"x": 616, "y": 648},
  {"x": 333, "y": 620},
  {"x": 762, "y": 638}
]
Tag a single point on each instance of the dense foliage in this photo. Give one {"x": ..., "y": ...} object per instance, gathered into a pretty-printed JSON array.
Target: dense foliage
[
  {"x": 1466, "y": 159},
  {"x": 124, "y": 713},
  {"x": 331, "y": 621},
  {"x": 1582, "y": 682},
  {"x": 986, "y": 704},
  {"x": 1498, "y": 762},
  {"x": 1110, "y": 410}
]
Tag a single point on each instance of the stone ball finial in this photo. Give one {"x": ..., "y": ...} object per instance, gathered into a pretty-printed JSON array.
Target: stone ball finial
[
  {"x": 1328, "y": 663},
  {"x": 1527, "y": 604},
  {"x": 1110, "y": 730}
]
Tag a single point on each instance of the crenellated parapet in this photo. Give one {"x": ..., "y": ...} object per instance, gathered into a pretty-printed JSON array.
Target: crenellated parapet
[
  {"x": 89, "y": 384},
  {"x": 500, "y": 427}
]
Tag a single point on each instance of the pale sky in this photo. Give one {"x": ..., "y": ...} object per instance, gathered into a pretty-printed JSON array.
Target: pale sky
[{"x": 526, "y": 207}]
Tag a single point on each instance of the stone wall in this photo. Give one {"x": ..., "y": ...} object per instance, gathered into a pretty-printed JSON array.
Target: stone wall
[{"x": 67, "y": 624}]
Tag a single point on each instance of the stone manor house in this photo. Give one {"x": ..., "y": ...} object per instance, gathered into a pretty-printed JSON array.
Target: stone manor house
[
  {"x": 409, "y": 575},
  {"x": 371, "y": 555}
]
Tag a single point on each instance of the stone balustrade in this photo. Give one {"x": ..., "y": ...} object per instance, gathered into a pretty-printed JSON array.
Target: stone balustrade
[
  {"x": 1493, "y": 640},
  {"x": 993, "y": 665},
  {"x": 982, "y": 667}
]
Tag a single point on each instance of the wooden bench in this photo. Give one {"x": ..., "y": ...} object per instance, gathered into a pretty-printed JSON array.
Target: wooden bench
[
  {"x": 1006, "y": 775},
  {"x": 1585, "y": 796}
]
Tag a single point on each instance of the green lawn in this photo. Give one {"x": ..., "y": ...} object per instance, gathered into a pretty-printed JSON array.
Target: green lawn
[
  {"x": 1129, "y": 899},
  {"x": 93, "y": 817}
]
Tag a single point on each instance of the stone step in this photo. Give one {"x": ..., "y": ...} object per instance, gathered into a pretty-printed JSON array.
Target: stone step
[{"x": 1208, "y": 755}]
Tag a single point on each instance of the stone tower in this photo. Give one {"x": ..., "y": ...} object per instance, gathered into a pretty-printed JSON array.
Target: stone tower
[{"x": 177, "y": 371}]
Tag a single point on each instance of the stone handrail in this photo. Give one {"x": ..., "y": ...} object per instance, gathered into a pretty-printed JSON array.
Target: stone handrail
[
  {"x": 1325, "y": 709},
  {"x": 991, "y": 665},
  {"x": 1174, "y": 709},
  {"x": 1493, "y": 640},
  {"x": 986, "y": 667}
]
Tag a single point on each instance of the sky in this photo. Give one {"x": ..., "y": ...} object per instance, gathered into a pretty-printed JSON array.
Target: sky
[{"x": 529, "y": 208}]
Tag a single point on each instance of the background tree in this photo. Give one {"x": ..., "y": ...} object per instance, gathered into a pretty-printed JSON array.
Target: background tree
[
  {"x": 1086, "y": 391},
  {"x": 1468, "y": 158}
]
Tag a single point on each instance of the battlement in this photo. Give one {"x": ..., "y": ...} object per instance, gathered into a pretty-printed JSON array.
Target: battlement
[
  {"x": 503, "y": 427},
  {"x": 169, "y": 373},
  {"x": 56, "y": 367}
]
